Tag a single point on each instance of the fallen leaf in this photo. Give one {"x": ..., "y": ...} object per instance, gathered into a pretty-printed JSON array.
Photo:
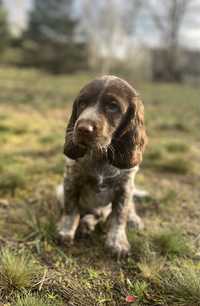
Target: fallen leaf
[{"x": 131, "y": 298}]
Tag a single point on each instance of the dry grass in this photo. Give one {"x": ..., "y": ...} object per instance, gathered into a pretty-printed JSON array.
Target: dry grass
[
  {"x": 34, "y": 108},
  {"x": 18, "y": 272},
  {"x": 181, "y": 284}
]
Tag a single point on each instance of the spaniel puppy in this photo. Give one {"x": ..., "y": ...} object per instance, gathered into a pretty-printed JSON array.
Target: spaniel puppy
[{"x": 104, "y": 142}]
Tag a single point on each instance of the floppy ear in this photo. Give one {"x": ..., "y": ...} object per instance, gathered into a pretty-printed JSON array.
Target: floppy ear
[
  {"x": 70, "y": 149},
  {"x": 129, "y": 140}
]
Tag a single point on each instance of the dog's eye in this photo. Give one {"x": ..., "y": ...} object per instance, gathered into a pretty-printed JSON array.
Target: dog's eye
[
  {"x": 82, "y": 104},
  {"x": 113, "y": 107}
]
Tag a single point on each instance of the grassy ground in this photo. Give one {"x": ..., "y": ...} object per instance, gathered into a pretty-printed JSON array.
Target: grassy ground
[{"x": 164, "y": 267}]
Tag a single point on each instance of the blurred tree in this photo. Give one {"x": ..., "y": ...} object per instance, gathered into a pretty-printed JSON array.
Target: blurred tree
[
  {"x": 108, "y": 26},
  {"x": 51, "y": 40},
  {"x": 168, "y": 17},
  {"x": 4, "y": 31}
]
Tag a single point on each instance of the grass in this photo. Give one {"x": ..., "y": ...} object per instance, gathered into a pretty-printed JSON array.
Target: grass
[
  {"x": 177, "y": 165},
  {"x": 42, "y": 228},
  {"x": 11, "y": 181},
  {"x": 35, "y": 300},
  {"x": 18, "y": 272},
  {"x": 171, "y": 243},
  {"x": 139, "y": 290},
  {"x": 181, "y": 284},
  {"x": 34, "y": 268},
  {"x": 150, "y": 269}
]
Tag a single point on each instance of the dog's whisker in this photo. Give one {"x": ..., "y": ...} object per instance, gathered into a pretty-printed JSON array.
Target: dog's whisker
[{"x": 112, "y": 150}]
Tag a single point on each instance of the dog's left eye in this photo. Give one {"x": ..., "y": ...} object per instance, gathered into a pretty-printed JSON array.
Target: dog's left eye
[
  {"x": 82, "y": 104},
  {"x": 113, "y": 107}
]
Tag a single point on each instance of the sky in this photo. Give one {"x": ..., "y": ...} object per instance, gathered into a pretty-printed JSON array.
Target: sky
[
  {"x": 17, "y": 12},
  {"x": 190, "y": 35}
]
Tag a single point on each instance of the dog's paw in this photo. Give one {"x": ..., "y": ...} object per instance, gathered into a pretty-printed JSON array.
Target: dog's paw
[
  {"x": 65, "y": 238},
  {"x": 118, "y": 245},
  {"x": 66, "y": 230},
  {"x": 135, "y": 222},
  {"x": 87, "y": 224}
]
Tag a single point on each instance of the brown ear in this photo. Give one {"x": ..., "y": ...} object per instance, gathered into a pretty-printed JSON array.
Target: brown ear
[
  {"x": 129, "y": 140},
  {"x": 70, "y": 149}
]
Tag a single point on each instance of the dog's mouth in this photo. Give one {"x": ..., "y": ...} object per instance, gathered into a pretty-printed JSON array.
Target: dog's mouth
[
  {"x": 83, "y": 141},
  {"x": 95, "y": 143}
]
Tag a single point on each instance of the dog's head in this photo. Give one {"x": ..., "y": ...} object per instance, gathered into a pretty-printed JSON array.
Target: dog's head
[{"x": 107, "y": 117}]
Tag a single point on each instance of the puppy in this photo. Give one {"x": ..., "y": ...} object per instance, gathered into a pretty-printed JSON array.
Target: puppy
[{"x": 104, "y": 143}]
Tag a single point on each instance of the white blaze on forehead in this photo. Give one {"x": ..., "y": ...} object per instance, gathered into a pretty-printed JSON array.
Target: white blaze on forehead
[{"x": 89, "y": 113}]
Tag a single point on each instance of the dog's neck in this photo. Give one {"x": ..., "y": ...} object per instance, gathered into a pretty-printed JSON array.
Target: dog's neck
[{"x": 99, "y": 165}]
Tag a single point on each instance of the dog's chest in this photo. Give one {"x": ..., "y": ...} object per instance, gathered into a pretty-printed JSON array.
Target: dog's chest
[{"x": 98, "y": 187}]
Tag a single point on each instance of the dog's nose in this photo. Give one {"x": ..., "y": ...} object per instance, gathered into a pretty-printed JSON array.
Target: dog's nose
[{"x": 85, "y": 128}]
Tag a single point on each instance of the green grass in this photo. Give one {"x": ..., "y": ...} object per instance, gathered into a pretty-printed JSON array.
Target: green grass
[
  {"x": 18, "y": 272},
  {"x": 34, "y": 268},
  {"x": 181, "y": 284},
  {"x": 175, "y": 147},
  {"x": 177, "y": 165},
  {"x": 11, "y": 181},
  {"x": 139, "y": 290},
  {"x": 171, "y": 243},
  {"x": 29, "y": 299}
]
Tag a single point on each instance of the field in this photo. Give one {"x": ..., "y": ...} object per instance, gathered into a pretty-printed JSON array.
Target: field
[{"x": 164, "y": 265}]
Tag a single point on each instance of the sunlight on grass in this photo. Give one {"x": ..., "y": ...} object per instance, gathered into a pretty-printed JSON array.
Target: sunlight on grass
[
  {"x": 181, "y": 284},
  {"x": 34, "y": 300},
  {"x": 150, "y": 269},
  {"x": 18, "y": 271}
]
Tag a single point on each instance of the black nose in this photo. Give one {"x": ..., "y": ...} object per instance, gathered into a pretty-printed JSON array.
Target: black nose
[{"x": 85, "y": 128}]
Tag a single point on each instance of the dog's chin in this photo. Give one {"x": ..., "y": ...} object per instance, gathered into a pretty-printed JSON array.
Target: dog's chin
[
  {"x": 84, "y": 143},
  {"x": 92, "y": 144},
  {"x": 99, "y": 150}
]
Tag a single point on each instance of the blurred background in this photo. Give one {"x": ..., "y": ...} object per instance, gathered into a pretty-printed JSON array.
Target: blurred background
[{"x": 157, "y": 40}]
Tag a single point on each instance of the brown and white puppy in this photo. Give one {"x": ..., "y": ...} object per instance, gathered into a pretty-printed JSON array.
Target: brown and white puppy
[{"x": 104, "y": 143}]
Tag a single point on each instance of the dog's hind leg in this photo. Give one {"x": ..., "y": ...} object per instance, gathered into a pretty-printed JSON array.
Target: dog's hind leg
[{"x": 98, "y": 215}]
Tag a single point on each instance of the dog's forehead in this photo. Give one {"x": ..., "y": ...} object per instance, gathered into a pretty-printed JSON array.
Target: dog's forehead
[
  {"x": 119, "y": 88},
  {"x": 95, "y": 87},
  {"x": 109, "y": 84}
]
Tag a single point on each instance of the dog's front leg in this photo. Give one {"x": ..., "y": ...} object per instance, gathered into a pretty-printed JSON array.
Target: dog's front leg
[
  {"x": 67, "y": 226},
  {"x": 116, "y": 238},
  {"x": 70, "y": 219}
]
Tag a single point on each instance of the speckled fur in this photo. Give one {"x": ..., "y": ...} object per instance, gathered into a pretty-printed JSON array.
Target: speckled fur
[{"x": 98, "y": 187}]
